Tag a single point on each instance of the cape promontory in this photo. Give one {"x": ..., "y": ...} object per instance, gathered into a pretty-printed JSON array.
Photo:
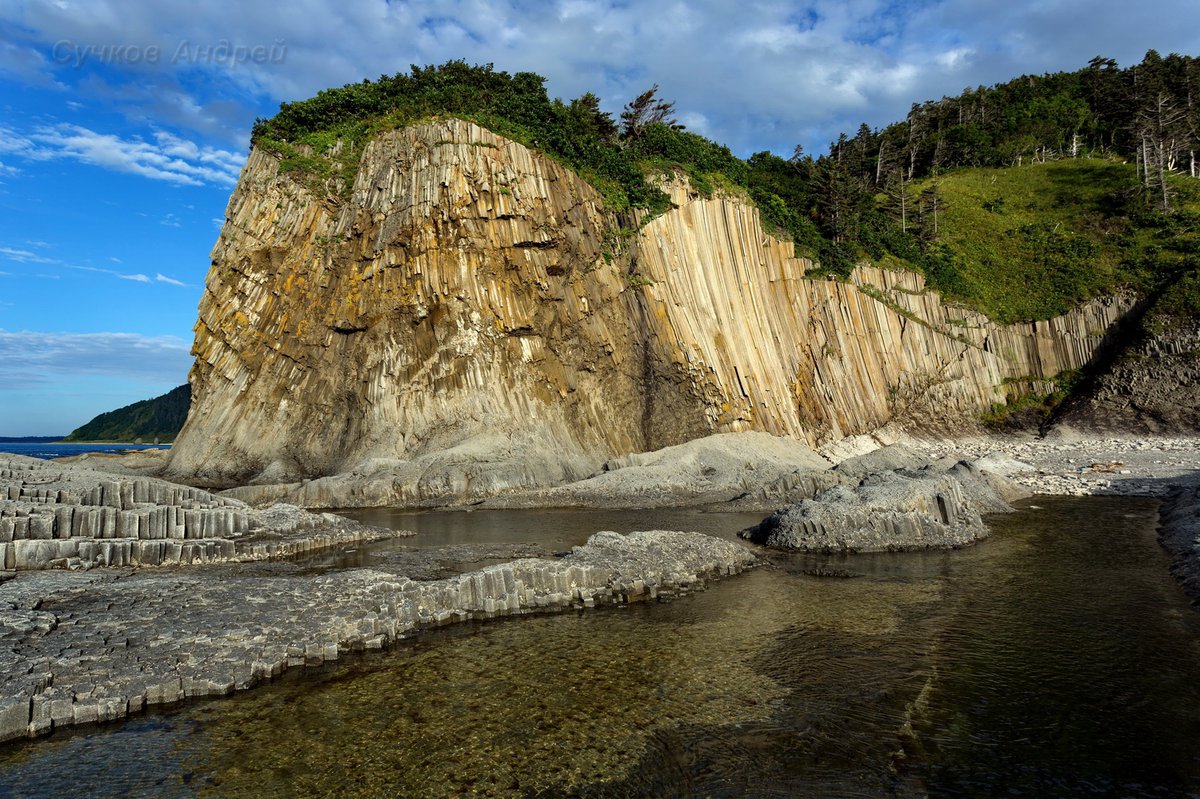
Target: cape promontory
[{"x": 470, "y": 304}]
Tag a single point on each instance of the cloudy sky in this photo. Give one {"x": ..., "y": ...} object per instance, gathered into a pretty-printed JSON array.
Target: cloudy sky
[{"x": 124, "y": 124}]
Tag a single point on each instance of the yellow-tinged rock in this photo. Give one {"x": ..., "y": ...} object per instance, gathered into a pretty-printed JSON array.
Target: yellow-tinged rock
[{"x": 459, "y": 300}]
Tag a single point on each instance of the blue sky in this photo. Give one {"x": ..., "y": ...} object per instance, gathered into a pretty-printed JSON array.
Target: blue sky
[{"x": 123, "y": 124}]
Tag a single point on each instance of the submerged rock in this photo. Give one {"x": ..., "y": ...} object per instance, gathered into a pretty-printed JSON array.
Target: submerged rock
[
  {"x": 892, "y": 511},
  {"x": 151, "y": 637}
]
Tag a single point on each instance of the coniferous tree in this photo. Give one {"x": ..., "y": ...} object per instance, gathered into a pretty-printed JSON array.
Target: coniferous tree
[
  {"x": 647, "y": 109},
  {"x": 587, "y": 110}
]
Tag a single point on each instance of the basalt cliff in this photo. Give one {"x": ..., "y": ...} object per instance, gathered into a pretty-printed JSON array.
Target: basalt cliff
[{"x": 470, "y": 320}]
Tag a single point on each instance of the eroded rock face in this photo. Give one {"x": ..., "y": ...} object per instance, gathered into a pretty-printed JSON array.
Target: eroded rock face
[
  {"x": 891, "y": 511},
  {"x": 1151, "y": 389},
  {"x": 464, "y": 324}
]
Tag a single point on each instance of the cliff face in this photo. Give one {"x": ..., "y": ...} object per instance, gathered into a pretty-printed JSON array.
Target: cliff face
[
  {"x": 822, "y": 359},
  {"x": 1151, "y": 387},
  {"x": 471, "y": 302},
  {"x": 459, "y": 294}
]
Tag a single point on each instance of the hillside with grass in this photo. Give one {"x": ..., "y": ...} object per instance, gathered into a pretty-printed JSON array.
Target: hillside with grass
[
  {"x": 151, "y": 421},
  {"x": 1019, "y": 200},
  {"x": 1032, "y": 241}
]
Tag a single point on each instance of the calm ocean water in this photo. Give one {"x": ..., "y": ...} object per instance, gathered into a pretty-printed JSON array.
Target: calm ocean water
[
  {"x": 56, "y": 449},
  {"x": 1057, "y": 658}
]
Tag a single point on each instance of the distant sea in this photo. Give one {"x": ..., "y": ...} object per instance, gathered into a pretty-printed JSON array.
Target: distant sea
[{"x": 56, "y": 449}]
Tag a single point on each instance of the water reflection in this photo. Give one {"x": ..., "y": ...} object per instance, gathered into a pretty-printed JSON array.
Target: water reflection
[{"x": 1055, "y": 659}]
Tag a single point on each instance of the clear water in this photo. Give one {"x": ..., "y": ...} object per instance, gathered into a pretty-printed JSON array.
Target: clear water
[
  {"x": 58, "y": 449},
  {"x": 553, "y": 528},
  {"x": 1056, "y": 659}
]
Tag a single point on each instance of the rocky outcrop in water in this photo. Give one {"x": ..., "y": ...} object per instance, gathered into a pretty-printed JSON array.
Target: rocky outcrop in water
[
  {"x": 55, "y": 515},
  {"x": 888, "y": 511},
  {"x": 1179, "y": 532},
  {"x": 470, "y": 321},
  {"x": 85, "y": 647}
]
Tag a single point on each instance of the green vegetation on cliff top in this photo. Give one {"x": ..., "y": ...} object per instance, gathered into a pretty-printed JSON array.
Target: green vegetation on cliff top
[
  {"x": 1019, "y": 200},
  {"x": 156, "y": 420}
]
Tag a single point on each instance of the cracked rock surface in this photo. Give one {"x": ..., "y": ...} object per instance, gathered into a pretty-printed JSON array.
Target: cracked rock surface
[
  {"x": 58, "y": 515},
  {"x": 931, "y": 507},
  {"x": 94, "y": 646}
]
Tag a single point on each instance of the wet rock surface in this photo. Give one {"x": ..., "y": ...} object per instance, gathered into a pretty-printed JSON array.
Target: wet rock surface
[
  {"x": 58, "y": 515},
  {"x": 1179, "y": 532},
  {"x": 95, "y": 646}
]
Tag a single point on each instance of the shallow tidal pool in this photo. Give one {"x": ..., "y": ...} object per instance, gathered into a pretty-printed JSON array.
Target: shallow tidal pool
[{"x": 1057, "y": 658}]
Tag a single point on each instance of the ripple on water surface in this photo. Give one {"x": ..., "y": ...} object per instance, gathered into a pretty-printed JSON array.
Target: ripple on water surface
[{"x": 1056, "y": 659}]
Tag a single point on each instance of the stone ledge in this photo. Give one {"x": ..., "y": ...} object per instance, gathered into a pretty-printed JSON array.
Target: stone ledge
[
  {"x": 55, "y": 515},
  {"x": 87, "y": 647}
]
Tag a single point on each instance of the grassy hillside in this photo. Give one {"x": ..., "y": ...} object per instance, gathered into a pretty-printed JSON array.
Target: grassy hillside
[
  {"x": 149, "y": 421},
  {"x": 1031, "y": 241},
  {"x": 1019, "y": 200}
]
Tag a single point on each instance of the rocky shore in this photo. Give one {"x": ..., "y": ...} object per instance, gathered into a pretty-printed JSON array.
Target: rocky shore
[
  {"x": 1071, "y": 463},
  {"x": 55, "y": 515},
  {"x": 83, "y": 644},
  {"x": 1179, "y": 531},
  {"x": 95, "y": 646}
]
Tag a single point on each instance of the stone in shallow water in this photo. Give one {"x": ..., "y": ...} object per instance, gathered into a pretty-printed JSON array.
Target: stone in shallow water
[
  {"x": 88, "y": 647},
  {"x": 891, "y": 511}
]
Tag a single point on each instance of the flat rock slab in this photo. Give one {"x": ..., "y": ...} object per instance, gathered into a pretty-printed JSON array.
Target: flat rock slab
[{"x": 93, "y": 646}]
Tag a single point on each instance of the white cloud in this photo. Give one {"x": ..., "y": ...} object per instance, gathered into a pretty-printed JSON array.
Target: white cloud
[
  {"x": 952, "y": 59},
  {"x": 136, "y": 277},
  {"x": 763, "y": 74},
  {"x": 27, "y": 63},
  {"x": 13, "y": 143},
  {"x": 168, "y": 157},
  {"x": 25, "y": 256},
  {"x": 161, "y": 278},
  {"x": 30, "y": 359}
]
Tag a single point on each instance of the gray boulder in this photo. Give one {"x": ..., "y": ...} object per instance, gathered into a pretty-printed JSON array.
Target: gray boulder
[{"x": 891, "y": 511}]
